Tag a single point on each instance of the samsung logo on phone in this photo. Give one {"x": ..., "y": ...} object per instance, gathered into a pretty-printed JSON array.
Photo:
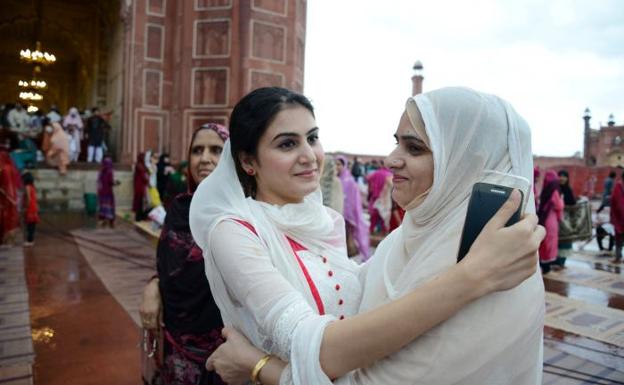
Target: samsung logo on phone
[{"x": 498, "y": 191}]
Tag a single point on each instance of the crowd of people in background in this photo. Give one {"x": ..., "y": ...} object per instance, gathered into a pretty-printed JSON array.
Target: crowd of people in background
[
  {"x": 358, "y": 190},
  {"x": 556, "y": 196},
  {"x": 51, "y": 137},
  {"x": 178, "y": 294},
  {"x": 28, "y": 139}
]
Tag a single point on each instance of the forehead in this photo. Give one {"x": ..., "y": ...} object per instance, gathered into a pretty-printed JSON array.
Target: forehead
[
  {"x": 412, "y": 124},
  {"x": 293, "y": 119},
  {"x": 405, "y": 126},
  {"x": 207, "y": 137}
]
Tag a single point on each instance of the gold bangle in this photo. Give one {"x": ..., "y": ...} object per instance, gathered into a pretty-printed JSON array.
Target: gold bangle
[{"x": 256, "y": 370}]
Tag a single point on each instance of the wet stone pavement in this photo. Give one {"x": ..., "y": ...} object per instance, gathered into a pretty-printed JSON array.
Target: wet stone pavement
[
  {"x": 84, "y": 323},
  {"x": 81, "y": 334}
]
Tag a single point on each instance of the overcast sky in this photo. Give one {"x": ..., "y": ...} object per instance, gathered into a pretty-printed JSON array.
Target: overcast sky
[{"x": 550, "y": 58}]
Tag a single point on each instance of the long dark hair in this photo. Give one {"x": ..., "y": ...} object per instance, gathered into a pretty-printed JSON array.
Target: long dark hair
[
  {"x": 568, "y": 195},
  {"x": 28, "y": 179},
  {"x": 250, "y": 119}
]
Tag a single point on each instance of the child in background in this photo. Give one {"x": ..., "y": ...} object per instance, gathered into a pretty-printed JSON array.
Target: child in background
[{"x": 31, "y": 208}]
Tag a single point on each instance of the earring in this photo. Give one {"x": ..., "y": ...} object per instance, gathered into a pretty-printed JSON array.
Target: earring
[{"x": 250, "y": 171}]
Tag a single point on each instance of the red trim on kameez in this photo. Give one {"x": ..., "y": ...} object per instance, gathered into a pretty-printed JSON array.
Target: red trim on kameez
[
  {"x": 315, "y": 294},
  {"x": 295, "y": 248}
]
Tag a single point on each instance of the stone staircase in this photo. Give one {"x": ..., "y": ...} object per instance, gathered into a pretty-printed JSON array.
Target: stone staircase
[{"x": 62, "y": 193}]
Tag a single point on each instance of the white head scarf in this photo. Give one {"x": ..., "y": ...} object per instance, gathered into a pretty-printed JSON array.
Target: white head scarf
[
  {"x": 219, "y": 197},
  {"x": 498, "y": 338},
  {"x": 73, "y": 118}
]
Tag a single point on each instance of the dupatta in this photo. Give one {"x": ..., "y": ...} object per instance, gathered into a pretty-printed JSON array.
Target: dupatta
[
  {"x": 220, "y": 197},
  {"x": 496, "y": 339}
]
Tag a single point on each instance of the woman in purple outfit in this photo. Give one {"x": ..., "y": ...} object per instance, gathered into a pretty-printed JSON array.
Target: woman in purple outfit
[{"x": 357, "y": 228}]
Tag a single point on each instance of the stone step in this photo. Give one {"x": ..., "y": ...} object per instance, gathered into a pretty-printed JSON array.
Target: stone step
[{"x": 56, "y": 192}]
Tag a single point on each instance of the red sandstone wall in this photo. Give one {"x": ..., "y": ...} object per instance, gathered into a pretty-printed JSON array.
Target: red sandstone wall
[
  {"x": 189, "y": 61},
  {"x": 587, "y": 181}
]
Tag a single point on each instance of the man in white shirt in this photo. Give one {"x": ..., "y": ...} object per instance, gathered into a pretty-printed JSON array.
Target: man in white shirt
[{"x": 19, "y": 121}]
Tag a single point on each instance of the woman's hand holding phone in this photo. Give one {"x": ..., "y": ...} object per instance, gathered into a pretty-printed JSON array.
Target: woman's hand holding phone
[{"x": 503, "y": 257}]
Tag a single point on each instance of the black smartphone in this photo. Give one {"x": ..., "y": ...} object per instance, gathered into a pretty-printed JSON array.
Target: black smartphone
[{"x": 486, "y": 199}]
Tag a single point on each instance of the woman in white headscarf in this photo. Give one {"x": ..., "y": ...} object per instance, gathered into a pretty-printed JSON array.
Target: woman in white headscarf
[
  {"x": 72, "y": 122},
  {"x": 498, "y": 338},
  {"x": 277, "y": 264}
]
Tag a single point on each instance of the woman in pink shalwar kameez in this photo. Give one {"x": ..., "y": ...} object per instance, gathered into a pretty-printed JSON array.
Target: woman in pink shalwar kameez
[
  {"x": 550, "y": 213},
  {"x": 376, "y": 183}
]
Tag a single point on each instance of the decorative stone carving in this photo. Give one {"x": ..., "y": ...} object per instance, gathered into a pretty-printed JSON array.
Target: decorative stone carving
[
  {"x": 151, "y": 93},
  {"x": 269, "y": 41},
  {"x": 265, "y": 79},
  {"x": 210, "y": 87},
  {"x": 156, "y": 7},
  {"x": 211, "y": 4},
  {"x": 273, "y": 6},
  {"x": 151, "y": 133},
  {"x": 212, "y": 38},
  {"x": 154, "y": 42}
]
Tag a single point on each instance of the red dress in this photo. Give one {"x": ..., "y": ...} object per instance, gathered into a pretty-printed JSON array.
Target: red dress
[
  {"x": 9, "y": 183},
  {"x": 617, "y": 208},
  {"x": 31, "y": 205}
]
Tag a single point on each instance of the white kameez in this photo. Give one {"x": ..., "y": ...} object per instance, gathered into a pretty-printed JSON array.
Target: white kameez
[
  {"x": 497, "y": 339},
  {"x": 257, "y": 281}
]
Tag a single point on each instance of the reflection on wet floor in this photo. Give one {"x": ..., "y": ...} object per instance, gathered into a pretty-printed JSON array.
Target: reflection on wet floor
[
  {"x": 580, "y": 266},
  {"x": 583, "y": 293},
  {"x": 43, "y": 335},
  {"x": 82, "y": 334}
]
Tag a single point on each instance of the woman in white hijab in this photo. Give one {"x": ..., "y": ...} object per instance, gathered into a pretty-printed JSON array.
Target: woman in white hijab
[
  {"x": 74, "y": 126},
  {"x": 498, "y": 338},
  {"x": 277, "y": 265}
]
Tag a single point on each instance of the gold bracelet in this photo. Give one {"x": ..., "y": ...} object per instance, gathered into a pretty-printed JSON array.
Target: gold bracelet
[{"x": 256, "y": 370}]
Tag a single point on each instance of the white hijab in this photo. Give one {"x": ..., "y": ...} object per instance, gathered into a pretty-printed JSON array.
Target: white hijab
[
  {"x": 219, "y": 197},
  {"x": 498, "y": 338}
]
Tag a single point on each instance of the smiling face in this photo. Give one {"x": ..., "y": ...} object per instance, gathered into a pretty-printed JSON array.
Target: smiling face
[
  {"x": 205, "y": 153},
  {"x": 289, "y": 158},
  {"x": 411, "y": 163}
]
